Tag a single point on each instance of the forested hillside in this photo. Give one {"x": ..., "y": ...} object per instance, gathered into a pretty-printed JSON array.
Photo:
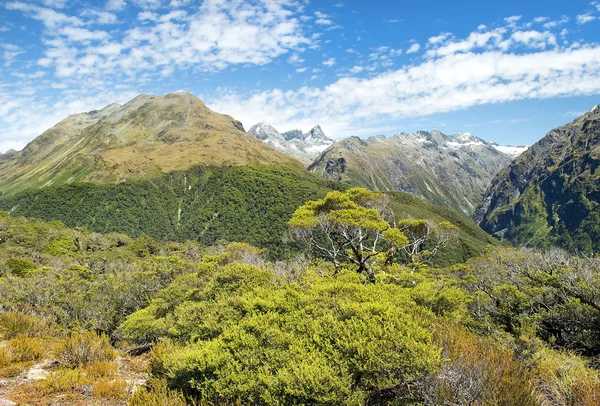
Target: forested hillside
[{"x": 206, "y": 204}]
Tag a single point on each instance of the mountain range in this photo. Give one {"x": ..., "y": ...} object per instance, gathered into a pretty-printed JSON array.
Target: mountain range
[
  {"x": 171, "y": 168},
  {"x": 451, "y": 170},
  {"x": 551, "y": 193},
  {"x": 303, "y": 146}
]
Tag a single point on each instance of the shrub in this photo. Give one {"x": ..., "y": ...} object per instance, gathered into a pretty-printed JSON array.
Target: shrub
[
  {"x": 477, "y": 371},
  {"x": 23, "y": 349},
  {"x": 4, "y": 357},
  {"x": 64, "y": 380},
  {"x": 564, "y": 379},
  {"x": 157, "y": 394},
  {"x": 110, "y": 388},
  {"x": 17, "y": 323},
  {"x": 101, "y": 369},
  {"x": 20, "y": 266},
  {"x": 82, "y": 348}
]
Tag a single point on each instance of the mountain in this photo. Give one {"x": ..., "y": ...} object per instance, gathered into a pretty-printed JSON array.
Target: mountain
[
  {"x": 144, "y": 138},
  {"x": 551, "y": 193},
  {"x": 451, "y": 170},
  {"x": 303, "y": 146}
]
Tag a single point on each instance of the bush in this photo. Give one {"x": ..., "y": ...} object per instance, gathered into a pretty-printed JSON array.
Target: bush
[
  {"x": 476, "y": 371},
  {"x": 23, "y": 349},
  {"x": 4, "y": 357},
  {"x": 64, "y": 380},
  {"x": 82, "y": 348},
  {"x": 564, "y": 379},
  {"x": 110, "y": 388},
  {"x": 101, "y": 369},
  {"x": 20, "y": 266},
  {"x": 16, "y": 323},
  {"x": 157, "y": 394}
]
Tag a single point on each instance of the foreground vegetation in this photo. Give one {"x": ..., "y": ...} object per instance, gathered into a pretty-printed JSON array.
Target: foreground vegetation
[{"x": 227, "y": 326}]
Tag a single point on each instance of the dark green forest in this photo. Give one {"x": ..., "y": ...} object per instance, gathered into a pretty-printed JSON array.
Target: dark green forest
[{"x": 246, "y": 204}]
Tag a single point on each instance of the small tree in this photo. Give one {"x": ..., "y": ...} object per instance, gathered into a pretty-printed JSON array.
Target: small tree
[{"x": 349, "y": 227}]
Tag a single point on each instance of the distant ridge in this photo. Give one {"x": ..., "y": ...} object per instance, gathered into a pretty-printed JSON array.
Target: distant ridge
[{"x": 451, "y": 170}]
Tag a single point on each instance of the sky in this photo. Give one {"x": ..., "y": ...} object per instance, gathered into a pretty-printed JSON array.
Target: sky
[{"x": 505, "y": 71}]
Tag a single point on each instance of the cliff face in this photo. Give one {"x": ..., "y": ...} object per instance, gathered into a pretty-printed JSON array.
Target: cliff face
[{"x": 550, "y": 194}]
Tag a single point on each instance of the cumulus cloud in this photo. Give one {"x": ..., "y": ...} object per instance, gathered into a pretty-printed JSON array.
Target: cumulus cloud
[
  {"x": 219, "y": 34},
  {"x": 585, "y": 18},
  {"x": 490, "y": 66},
  {"x": 329, "y": 62},
  {"x": 413, "y": 48}
]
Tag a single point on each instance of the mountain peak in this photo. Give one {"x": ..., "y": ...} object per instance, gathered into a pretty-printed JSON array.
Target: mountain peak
[
  {"x": 303, "y": 146},
  {"x": 146, "y": 137}
]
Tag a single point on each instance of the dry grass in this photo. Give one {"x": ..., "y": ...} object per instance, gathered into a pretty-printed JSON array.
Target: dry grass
[
  {"x": 157, "y": 394},
  {"x": 4, "y": 357},
  {"x": 13, "y": 324},
  {"x": 476, "y": 371},
  {"x": 14, "y": 369},
  {"x": 565, "y": 379}
]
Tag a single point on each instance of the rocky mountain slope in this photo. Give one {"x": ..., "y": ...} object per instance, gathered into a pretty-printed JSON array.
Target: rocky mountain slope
[
  {"x": 144, "y": 138},
  {"x": 551, "y": 193},
  {"x": 451, "y": 170},
  {"x": 303, "y": 146}
]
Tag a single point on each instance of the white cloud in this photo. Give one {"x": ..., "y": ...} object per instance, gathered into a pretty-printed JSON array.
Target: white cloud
[
  {"x": 11, "y": 144},
  {"x": 556, "y": 23},
  {"x": 100, "y": 17},
  {"x": 300, "y": 70},
  {"x": 295, "y": 58},
  {"x": 219, "y": 34},
  {"x": 413, "y": 48},
  {"x": 115, "y": 5},
  {"x": 50, "y": 18},
  {"x": 148, "y": 4},
  {"x": 329, "y": 62},
  {"x": 439, "y": 38},
  {"x": 441, "y": 84},
  {"x": 585, "y": 18}
]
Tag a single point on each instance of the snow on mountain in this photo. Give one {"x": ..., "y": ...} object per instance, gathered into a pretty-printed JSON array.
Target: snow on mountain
[
  {"x": 303, "y": 146},
  {"x": 510, "y": 150}
]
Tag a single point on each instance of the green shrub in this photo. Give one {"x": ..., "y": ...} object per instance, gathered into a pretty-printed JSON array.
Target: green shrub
[{"x": 20, "y": 266}]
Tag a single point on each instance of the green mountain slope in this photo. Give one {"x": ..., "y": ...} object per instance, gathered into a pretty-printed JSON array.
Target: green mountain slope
[
  {"x": 448, "y": 170},
  {"x": 247, "y": 203},
  {"x": 142, "y": 139},
  {"x": 550, "y": 195}
]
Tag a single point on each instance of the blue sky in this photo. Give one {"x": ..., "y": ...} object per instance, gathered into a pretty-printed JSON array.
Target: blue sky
[{"x": 506, "y": 71}]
